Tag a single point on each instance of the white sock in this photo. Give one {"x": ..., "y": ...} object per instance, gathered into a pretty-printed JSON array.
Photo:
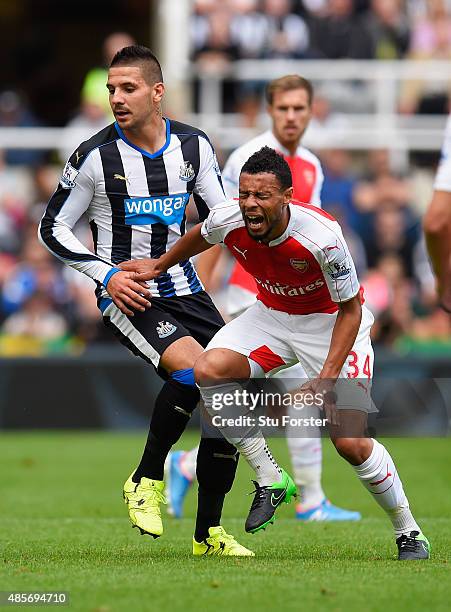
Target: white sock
[
  {"x": 259, "y": 457},
  {"x": 306, "y": 460},
  {"x": 188, "y": 463},
  {"x": 308, "y": 482},
  {"x": 304, "y": 443},
  {"x": 248, "y": 439},
  {"x": 378, "y": 474}
]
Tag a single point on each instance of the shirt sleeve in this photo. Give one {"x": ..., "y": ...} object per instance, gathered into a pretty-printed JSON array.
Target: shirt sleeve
[
  {"x": 69, "y": 202},
  {"x": 220, "y": 222},
  {"x": 208, "y": 190},
  {"x": 338, "y": 268}
]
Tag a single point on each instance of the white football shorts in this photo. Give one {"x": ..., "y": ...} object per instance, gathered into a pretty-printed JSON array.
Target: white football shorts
[{"x": 278, "y": 340}]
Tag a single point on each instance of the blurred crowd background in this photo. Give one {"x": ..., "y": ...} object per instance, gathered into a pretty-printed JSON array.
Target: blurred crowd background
[{"x": 378, "y": 196}]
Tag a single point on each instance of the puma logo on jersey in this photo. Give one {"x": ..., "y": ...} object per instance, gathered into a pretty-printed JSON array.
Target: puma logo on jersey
[
  {"x": 331, "y": 248},
  {"x": 77, "y": 157},
  {"x": 242, "y": 253},
  {"x": 119, "y": 177}
]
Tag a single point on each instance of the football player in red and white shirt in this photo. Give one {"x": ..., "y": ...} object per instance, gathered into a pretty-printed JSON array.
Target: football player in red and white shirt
[
  {"x": 308, "y": 309},
  {"x": 289, "y": 105}
]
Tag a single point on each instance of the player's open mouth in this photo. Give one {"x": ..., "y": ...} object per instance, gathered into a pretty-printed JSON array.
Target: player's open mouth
[
  {"x": 121, "y": 114},
  {"x": 255, "y": 222}
]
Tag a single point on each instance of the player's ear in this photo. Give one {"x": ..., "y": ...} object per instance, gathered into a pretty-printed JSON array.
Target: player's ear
[
  {"x": 288, "y": 195},
  {"x": 158, "y": 92}
]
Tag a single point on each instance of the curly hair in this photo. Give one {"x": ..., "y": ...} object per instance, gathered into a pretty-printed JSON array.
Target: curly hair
[{"x": 268, "y": 160}]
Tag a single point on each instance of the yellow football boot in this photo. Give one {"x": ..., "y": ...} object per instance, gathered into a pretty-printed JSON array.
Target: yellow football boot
[
  {"x": 220, "y": 543},
  {"x": 143, "y": 500}
]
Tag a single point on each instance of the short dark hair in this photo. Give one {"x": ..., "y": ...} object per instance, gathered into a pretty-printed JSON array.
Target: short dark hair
[
  {"x": 268, "y": 160},
  {"x": 138, "y": 54},
  {"x": 288, "y": 82}
]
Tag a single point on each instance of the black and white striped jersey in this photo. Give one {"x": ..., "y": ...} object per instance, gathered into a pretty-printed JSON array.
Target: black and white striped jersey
[{"x": 135, "y": 203}]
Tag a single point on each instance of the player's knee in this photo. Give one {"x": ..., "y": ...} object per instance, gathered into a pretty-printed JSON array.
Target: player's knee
[
  {"x": 354, "y": 450},
  {"x": 210, "y": 368}
]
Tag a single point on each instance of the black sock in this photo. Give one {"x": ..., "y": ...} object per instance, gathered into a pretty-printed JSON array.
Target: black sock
[
  {"x": 217, "y": 461},
  {"x": 209, "y": 510},
  {"x": 173, "y": 408}
]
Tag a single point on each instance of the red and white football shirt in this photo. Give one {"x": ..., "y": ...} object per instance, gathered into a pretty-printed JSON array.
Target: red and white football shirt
[
  {"x": 307, "y": 177},
  {"x": 306, "y": 270}
]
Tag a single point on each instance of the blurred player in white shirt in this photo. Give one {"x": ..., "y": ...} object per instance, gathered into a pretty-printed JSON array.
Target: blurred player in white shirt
[
  {"x": 289, "y": 104},
  {"x": 437, "y": 224}
]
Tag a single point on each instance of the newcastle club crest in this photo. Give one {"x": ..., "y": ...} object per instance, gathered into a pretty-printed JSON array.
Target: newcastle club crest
[
  {"x": 165, "y": 329},
  {"x": 186, "y": 171}
]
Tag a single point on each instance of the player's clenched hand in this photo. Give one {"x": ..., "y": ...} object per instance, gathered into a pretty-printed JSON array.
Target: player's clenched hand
[
  {"x": 326, "y": 388},
  {"x": 128, "y": 293},
  {"x": 145, "y": 269}
]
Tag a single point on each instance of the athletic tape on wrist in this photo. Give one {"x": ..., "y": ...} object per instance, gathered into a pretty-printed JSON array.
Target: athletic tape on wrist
[{"x": 111, "y": 273}]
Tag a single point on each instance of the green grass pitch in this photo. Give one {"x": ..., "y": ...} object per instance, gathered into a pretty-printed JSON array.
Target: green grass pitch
[{"x": 63, "y": 526}]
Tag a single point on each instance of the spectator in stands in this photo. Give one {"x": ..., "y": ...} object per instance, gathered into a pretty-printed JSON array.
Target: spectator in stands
[
  {"x": 403, "y": 321},
  {"x": 45, "y": 178},
  {"x": 431, "y": 30},
  {"x": 339, "y": 185},
  {"x": 325, "y": 124},
  {"x": 392, "y": 235},
  {"x": 38, "y": 319},
  {"x": 249, "y": 34},
  {"x": 339, "y": 33},
  {"x": 381, "y": 184},
  {"x": 248, "y": 28},
  {"x": 388, "y": 29},
  {"x": 15, "y": 113},
  {"x": 35, "y": 270},
  {"x": 90, "y": 118},
  {"x": 94, "y": 112},
  {"x": 353, "y": 240},
  {"x": 217, "y": 49},
  {"x": 431, "y": 39},
  {"x": 199, "y": 23},
  {"x": 390, "y": 295},
  {"x": 16, "y": 194},
  {"x": 287, "y": 35},
  {"x": 94, "y": 89},
  {"x": 319, "y": 8}
]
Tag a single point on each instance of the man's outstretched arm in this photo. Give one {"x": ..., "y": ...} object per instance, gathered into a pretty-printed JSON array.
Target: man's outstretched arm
[{"x": 189, "y": 245}]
